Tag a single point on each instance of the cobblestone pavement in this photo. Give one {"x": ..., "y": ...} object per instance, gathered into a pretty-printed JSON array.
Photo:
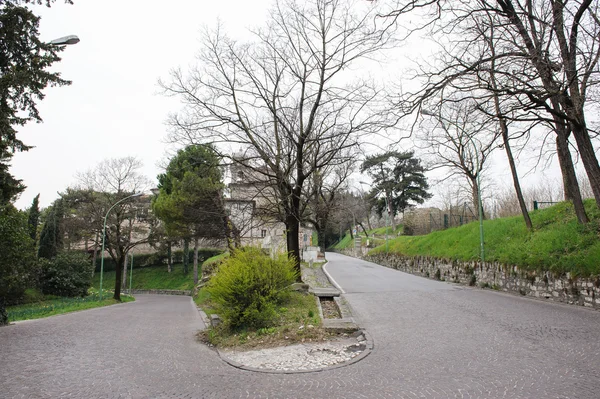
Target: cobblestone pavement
[{"x": 432, "y": 340}]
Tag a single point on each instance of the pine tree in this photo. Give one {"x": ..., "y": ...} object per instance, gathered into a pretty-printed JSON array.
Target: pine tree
[
  {"x": 51, "y": 241},
  {"x": 34, "y": 218},
  {"x": 24, "y": 73},
  {"x": 398, "y": 181}
]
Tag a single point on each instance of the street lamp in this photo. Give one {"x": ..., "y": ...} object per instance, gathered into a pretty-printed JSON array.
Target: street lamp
[
  {"x": 480, "y": 204},
  {"x": 65, "y": 40},
  {"x": 104, "y": 236},
  {"x": 387, "y": 212}
]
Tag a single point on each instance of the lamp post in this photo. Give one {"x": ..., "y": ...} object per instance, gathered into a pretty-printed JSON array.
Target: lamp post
[
  {"x": 104, "y": 237},
  {"x": 354, "y": 230},
  {"x": 479, "y": 204},
  {"x": 65, "y": 40},
  {"x": 131, "y": 274}
]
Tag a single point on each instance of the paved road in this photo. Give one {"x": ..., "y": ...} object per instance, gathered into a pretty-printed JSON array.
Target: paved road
[{"x": 432, "y": 340}]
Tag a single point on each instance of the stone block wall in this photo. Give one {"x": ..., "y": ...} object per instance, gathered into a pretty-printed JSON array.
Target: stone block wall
[{"x": 545, "y": 285}]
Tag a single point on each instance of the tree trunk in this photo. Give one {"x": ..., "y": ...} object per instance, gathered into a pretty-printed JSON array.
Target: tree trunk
[
  {"x": 195, "y": 261},
  {"x": 3, "y": 313},
  {"x": 95, "y": 255},
  {"x": 169, "y": 258},
  {"x": 571, "y": 186},
  {"x": 588, "y": 156},
  {"x": 509, "y": 155},
  {"x": 186, "y": 257},
  {"x": 293, "y": 243},
  {"x": 474, "y": 195},
  {"x": 124, "y": 278},
  {"x": 321, "y": 237},
  {"x": 229, "y": 235},
  {"x": 515, "y": 176},
  {"x": 390, "y": 211},
  {"x": 118, "y": 276},
  {"x": 364, "y": 230}
]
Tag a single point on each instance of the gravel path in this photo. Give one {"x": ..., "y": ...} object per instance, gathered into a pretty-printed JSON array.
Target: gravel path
[{"x": 300, "y": 357}]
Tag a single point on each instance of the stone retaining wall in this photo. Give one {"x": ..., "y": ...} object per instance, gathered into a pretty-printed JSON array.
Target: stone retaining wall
[
  {"x": 162, "y": 292},
  {"x": 566, "y": 288}
]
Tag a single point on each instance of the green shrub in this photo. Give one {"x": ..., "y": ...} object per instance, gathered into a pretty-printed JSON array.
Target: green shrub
[
  {"x": 16, "y": 257},
  {"x": 249, "y": 286},
  {"x": 68, "y": 274},
  {"x": 210, "y": 265}
]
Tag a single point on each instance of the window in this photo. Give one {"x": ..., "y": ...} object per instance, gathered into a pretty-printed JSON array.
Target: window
[{"x": 263, "y": 233}]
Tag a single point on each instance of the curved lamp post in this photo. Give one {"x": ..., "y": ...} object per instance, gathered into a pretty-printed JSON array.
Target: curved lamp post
[
  {"x": 104, "y": 236},
  {"x": 480, "y": 204}
]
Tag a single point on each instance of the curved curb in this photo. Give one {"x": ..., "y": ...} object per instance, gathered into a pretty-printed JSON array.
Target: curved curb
[
  {"x": 368, "y": 349},
  {"x": 331, "y": 279}
]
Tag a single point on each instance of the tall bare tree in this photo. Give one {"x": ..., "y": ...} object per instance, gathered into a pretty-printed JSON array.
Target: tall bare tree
[
  {"x": 100, "y": 189},
  {"x": 323, "y": 191},
  {"x": 549, "y": 51},
  {"x": 286, "y": 95},
  {"x": 461, "y": 141}
]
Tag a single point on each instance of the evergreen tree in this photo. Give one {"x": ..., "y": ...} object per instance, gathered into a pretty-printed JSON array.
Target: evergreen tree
[
  {"x": 190, "y": 201},
  {"x": 34, "y": 218},
  {"x": 24, "y": 73},
  {"x": 398, "y": 181},
  {"x": 51, "y": 238},
  {"x": 16, "y": 256}
]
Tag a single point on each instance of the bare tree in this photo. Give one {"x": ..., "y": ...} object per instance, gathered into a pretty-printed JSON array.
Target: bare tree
[
  {"x": 461, "y": 141},
  {"x": 562, "y": 41},
  {"x": 323, "y": 190},
  {"x": 542, "y": 55},
  {"x": 285, "y": 96},
  {"x": 100, "y": 189}
]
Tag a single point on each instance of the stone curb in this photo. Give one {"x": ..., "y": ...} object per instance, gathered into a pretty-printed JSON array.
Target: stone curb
[
  {"x": 331, "y": 280},
  {"x": 203, "y": 316},
  {"x": 163, "y": 292},
  {"x": 347, "y": 304},
  {"x": 368, "y": 349}
]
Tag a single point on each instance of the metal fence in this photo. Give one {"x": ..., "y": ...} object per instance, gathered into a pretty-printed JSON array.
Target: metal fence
[
  {"x": 542, "y": 204},
  {"x": 424, "y": 222}
]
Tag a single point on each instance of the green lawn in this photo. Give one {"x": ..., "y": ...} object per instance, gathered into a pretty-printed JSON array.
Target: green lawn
[
  {"x": 157, "y": 277},
  {"x": 558, "y": 243},
  {"x": 55, "y": 305},
  {"x": 152, "y": 277}
]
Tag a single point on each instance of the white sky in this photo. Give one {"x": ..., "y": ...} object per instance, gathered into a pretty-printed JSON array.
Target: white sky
[{"x": 114, "y": 107}]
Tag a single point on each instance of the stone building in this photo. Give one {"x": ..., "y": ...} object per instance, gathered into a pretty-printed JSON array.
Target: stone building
[{"x": 252, "y": 207}]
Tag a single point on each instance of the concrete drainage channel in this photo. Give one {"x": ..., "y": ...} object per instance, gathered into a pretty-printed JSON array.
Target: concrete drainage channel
[{"x": 330, "y": 299}]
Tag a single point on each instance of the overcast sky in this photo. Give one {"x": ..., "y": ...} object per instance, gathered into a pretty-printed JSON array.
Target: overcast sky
[{"x": 114, "y": 107}]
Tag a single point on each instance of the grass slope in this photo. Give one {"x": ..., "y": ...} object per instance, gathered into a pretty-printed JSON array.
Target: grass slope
[
  {"x": 558, "y": 243},
  {"x": 376, "y": 236},
  {"x": 150, "y": 278},
  {"x": 157, "y": 277}
]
